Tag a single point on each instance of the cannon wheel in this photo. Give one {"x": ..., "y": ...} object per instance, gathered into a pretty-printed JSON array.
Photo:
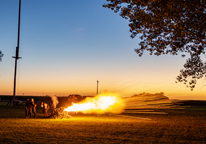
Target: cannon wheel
[{"x": 60, "y": 113}]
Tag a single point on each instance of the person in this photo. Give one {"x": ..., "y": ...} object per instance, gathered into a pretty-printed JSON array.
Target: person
[
  {"x": 27, "y": 109},
  {"x": 45, "y": 108},
  {"x": 33, "y": 107}
]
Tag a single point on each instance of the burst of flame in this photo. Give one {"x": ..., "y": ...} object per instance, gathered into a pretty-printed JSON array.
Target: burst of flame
[{"x": 100, "y": 104}]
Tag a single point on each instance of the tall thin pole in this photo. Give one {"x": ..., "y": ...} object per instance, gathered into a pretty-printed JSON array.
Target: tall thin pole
[
  {"x": 17, "y": 53},
  {"x": 97, "y": 86}
]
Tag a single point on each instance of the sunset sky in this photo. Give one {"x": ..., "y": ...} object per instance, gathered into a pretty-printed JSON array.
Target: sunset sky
[{"x": 67, "y": 45}]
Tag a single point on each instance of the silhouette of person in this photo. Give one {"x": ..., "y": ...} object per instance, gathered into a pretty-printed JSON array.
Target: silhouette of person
[
  {"x": 33, "y": 107},
  {"x": 45, "y": 108},
  {"x": 27, "y": 109}
]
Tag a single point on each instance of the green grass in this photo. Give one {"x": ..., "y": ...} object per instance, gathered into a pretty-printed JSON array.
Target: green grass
[
  {"x": 3, "y": 103},
  {"x": 178, "y": 126}
]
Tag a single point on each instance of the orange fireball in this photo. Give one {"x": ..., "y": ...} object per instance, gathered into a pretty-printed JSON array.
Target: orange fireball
[{"x": 102, "y": 103}]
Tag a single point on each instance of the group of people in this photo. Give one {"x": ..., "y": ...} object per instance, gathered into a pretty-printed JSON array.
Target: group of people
[{"x": 30, "y": 107}]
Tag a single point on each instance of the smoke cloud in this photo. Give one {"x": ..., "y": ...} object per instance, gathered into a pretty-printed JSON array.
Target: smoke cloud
[{"x": 54, "y": 100}]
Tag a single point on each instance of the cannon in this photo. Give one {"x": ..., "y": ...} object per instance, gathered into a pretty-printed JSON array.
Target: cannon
[{"x": 60, "y": 113}]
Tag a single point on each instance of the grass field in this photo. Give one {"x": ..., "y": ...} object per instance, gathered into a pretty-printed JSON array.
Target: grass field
[{"x": 178, "y": 126}]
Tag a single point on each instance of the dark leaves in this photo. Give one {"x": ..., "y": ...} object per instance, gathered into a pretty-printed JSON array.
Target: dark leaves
[
  {"x": 1, "y": 55},
  {"x": 194, "y": 69},
  {"x": 168, "y": 27}
]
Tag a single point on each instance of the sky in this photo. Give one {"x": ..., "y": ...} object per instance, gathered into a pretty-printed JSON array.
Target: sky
[{"x": 67, "y": 45}]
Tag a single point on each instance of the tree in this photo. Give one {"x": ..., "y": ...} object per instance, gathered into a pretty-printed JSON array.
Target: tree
[
  {"x": 1, "y": 55},
  {"x": 168, "y": 27}
]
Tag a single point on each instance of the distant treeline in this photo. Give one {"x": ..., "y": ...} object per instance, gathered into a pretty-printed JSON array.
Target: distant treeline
[
  {"x": 193, "y": 103},
  {"x": 24, "y": 98},
  {"x": 148, "y": 94},
  {"x": 63, "y": 101}
]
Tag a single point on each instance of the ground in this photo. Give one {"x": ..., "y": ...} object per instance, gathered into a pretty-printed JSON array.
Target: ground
[{"x": 186, "y": 125}]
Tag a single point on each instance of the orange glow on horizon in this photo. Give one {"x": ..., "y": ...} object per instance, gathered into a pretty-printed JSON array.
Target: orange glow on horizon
[{"x": 128, "y": 88}]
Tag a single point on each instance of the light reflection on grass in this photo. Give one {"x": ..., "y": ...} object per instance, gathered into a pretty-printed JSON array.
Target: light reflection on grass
[{"x": 179, "y": 126}]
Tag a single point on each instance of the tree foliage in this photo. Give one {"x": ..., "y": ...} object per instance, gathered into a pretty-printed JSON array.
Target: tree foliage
[
  {"x": 168, "y": 27},
  {"x": 1, "y": 55}
]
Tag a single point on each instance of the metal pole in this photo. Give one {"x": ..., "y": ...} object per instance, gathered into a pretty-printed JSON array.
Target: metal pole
[
  {"x": 17, "y": 54},
  {"x": 97, "y": 86}
]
